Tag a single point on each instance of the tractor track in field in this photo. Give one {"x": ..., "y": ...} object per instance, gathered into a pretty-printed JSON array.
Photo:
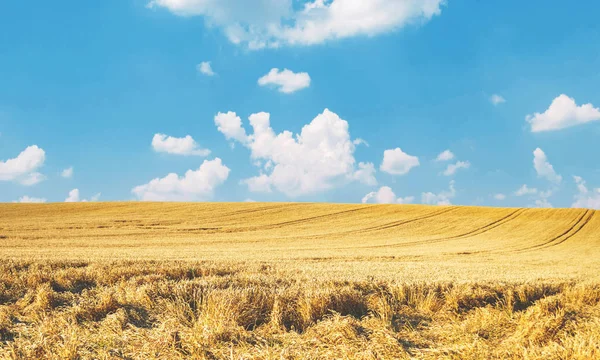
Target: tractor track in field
[
  {"x": 292, "y": 222},
  {"x": 481, "y": 230},
  {"x": 581, "y": 222}
]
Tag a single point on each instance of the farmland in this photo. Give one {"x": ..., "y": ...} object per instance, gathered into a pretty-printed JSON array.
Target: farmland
[{"x": 297, "y": 280}]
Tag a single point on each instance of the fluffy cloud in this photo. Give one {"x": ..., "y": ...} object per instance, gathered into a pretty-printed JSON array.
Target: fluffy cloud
[
  {"x": 194, "y": 185},
  {"x": 499, "y": 197},
  {"x": 178, "y": 146},
  {"x": 205, "y": 68},
  {"x": 453, "y": 168},
  {"x": 544, "y": 168},
  {"x": 443, "y": 198},
  {"x": 563, "y": 113},
  {"x": 542, "y": 203},
  {"x": 586, "y": 198},
  {"x": 445, "y": 155},
  {"x": 309, "y": 162},
  {"x": 397, "y": 162},
  {"x": 525, "y": 190},
  {"x": 272, "y": 23},
  {"x": 285, "y": 80},
  {"x": 31, "y": 200},
  {"x": 23, "y": 168},
  {"x": 230, "y": 125},
  {"x": 385, "y": 195},
  {"x": 497, "y": 99},
  {"x": 67, "y": 173},
  {"x": 74, "y": 197},
  {"x": 365, "y": 174}
]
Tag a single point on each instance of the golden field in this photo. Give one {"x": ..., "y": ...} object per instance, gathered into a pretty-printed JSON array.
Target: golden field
[{"x": 297, "y": 281}]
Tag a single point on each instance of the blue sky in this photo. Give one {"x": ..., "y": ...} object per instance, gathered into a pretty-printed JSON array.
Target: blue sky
[{"x": 381, "y": 89}]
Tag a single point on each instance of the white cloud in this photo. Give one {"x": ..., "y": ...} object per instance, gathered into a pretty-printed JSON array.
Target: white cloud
[
  {"x": 499, "y": 197},
  {"x": 73, "y": 196},
  {"x": 452, "y": 168},
  {"x": 586, "y": 198},
  {"x": 178, "y": 146},
  {"x": 67, "y": 173},
  {"x": 497, "y": 99},
  {"x": 543, "y": 203},
  {"x": 359, "y": 141},
  {"x": 272, "y": 23},
  {"x": 525, "y": 190},
  {"x": 32, "y": 179},
  {"x": 445, "y": 155},
  {"x": 309, "y": 162},
  {"x": 205, "y": 68},
  {"x": 397, "y": 162},
  {"x": 231, "y": 126},
  {"x": 443, "y": 198},
  {"x": 285, "y": 80},
  {"x": 261, "y": 183},
  {"x": 563, "y": 113},
  {"x": 365, "y": 174},
  {"x": 544, "y": 168},
  {"x": 23, "y": 168},
  {"x": 95, "y": 197},
  {"x": 194, "y": 185},
  {"x": 32, "y": 200},
  {"x": 385, "y": 195}
]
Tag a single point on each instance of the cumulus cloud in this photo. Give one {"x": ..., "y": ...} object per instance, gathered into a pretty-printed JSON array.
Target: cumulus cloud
[
  {"x": 445, "y": 155},
  {"x": 286, "y": 81},
  {"x": 23, "y": 168},
  {"x": 497, "y": 99},
  {"x": 67, "y": 173},
  {"x": 542, "y": 203},
  {"x": 205, "y": 68},
  {"x": 385, "y": 195},
  {"x": 32, "y": 200},
  {"x": 177, "y": 146},
  {"x": 312, "y": 161},
  {"x": 365, "y": 174},
  {"x": 397, "y": 162},
  {"x": 453, "y": 168},
  {"x": 585, "y": 198},
  {"x": 563, "y": 113},
  {"x": 499, "y": 197},
  {"x": 193, "y": 186},
  {"x": 74, "y": 197},
  {"x": 543, "y": 168},
  {"x": 230, "y": 125},
  {"x": 442, "y": 198},
  {"x": 272, "y": 23}
]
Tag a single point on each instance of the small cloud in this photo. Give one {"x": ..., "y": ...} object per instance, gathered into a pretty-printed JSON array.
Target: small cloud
[
  {"x": 385, "y": 195},
  {"x": 544, "y": 168},
  {"x": 497, "y": 99},
  {"x": 178, "y": 146},
  {"x": 499, "y": 197},
  {"x": 453, "y": 168},
  {"x": 397, "y": 162},
  {"x": 285, "y": 80},
  {"x": 445, "y": 155},
  {"x": 67, "y": 173},
  {"x": 32, "y": 200},
  {"x": 442, "y": 198},
  {"x": 525, "y": 190},
  {"x": 74, "y": 197},
  {"x": 205, "y": 68}
]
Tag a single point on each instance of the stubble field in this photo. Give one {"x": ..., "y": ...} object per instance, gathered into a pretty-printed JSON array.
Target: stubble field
[{"x": 288, "y": 280}]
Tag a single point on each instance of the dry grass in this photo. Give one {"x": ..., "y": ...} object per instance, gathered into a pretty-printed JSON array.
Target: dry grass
[{"x": 288, "y": 281}]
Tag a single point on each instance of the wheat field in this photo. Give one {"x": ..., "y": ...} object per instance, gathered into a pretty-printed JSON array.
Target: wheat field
[{"x": 297, "y": 281}]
